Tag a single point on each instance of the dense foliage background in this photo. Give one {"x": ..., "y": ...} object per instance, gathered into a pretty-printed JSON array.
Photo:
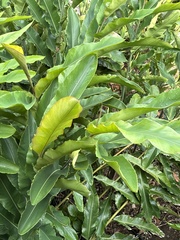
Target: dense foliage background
[{"x": 89, "y": 118}]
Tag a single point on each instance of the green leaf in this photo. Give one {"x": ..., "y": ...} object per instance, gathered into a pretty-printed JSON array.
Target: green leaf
[
  {"x": 112, "y": 6},
  {"x": 110, "y": 43},
  {"x": 76, "y": 2},
  {"x": 15, "y": 76},
  {"x": 161, "y": 136},
  {"x": 62, "y": 224},
  {"x": 12, "y": 64},
  {"x": 126, "y": 220},
  {"x": 43, "y": 183},
  {"x": 147, "y": 204},
  {"x": 93, "y": 19},
  {"x": 51, "y": 15},
  {"x": 4, "y": 20},
  {"x": 7, "y": 220},
  {"x": 46, "y": 232},
  {"x": 45, "y": 100},
  {"x": 175, "y": 226},
  {"x": 33, "y": 37},
  {"x": 137, "y": 15},
  {"x": 6, "y": 166},
  {"x": 151, "y": 170},
  {"x": 6, "y": 130},
  {"x": 164, "y": 194},
  {"x": 167, "y": 7},
  {"x": 96, "y": 100},
  {"x": 78, "y": 52},
  {"x": 31, "y": 215},
  {"x": 91, "y": 211},
  {"x": 167, "y": 99},
  {"x": 114, "y": 25},
  {"x": 73, "y": 82},
  {"x": 9, "y": 148},
  {"x": 12, "y": 36},
  {"x": 54, "y": 122},
  {"x": 78, "y": 199},
  {"x": 163, "y": 100},
  {"x": 73, "y": 185},
  {"x": 116, "y": 79},
  {"x": 52, "y": 155},
  {"x": 43, "y": 83},
  {"x": 79, "y": 161},
  {"x": 104, "y": 215},
  {"x": 36, "y": 12},
  {"x": 118, "y": 187},
  {"x": 9, "y": 196},
  {"x": 73, "y": 28},
  {"x": 124, "y": 168},
  {"x": 17, "y": 101}
]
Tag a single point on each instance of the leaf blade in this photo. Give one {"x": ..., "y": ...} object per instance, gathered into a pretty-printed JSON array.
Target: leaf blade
[
  {"x": 43, "y": 183},
  {"x": 55, "y": 121}
]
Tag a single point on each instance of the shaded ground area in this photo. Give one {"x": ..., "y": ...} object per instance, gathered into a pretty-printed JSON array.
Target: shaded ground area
[{"x": 170, "y": 234}]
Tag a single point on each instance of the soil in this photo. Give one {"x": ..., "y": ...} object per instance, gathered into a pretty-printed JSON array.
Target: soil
[{"x": 170, "y": 234}]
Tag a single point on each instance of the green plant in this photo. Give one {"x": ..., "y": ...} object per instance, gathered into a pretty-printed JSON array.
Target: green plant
[{"x": 99, "y": 131}]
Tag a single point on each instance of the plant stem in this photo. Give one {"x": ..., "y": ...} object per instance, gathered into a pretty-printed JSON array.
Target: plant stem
[
  {"x": 123, "y": 149},
  {"x": 116, "y": 213}
]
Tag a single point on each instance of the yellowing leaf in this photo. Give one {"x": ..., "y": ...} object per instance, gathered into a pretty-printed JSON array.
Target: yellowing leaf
[
  {"x": 18, "y": 54},
  {"x": 55, "y": 121}
]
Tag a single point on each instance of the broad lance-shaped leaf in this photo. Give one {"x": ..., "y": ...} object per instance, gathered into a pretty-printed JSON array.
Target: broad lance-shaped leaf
[
  {"x": 161, "y": 136},
  {"x": 43, "y": 183},
  {"x": 72, "y": 185},
  {"x": 122, "y": 188},
  {"x": 108, "y": 44},
  {"x": 31, "y": 215},
  {"x": 126, "y": 220},
  {"x": 116, "y": 79},
  {"x": 41, "y": 46},
  {"x": 6, "y": 130},
  {"x": 163, "y": 100},
  {"x": 79, "y": 201},
  {"x": 16, "y": 76},
  {"x": 17, "y": 101},
  {"x": 9, "y": 197},
  {"x": 137, "y": 15},
  {"x": 72, "y": 81},
  {"x": 73, "y": 28},
  {"x": 43, "y": 83},
  {"x": 12, "y": 36},
  {"x": 151, "y": 170},
  {"x": 104, "y": 215},
  {"x": 91, "y": 211},
  {"x": 37, "y": 12},
  {"x": 149, "y": 209},
  {"x": 93, "y": 19},
  {"x": 12, "y": 63},
  {"x": 9, "y": 149},
  {"x": 7, "y": 166},
  {"x": 52, "y": 155},
  {"x": 55, "y": 121},
  {"x": 47, "y": 232},
  {"x": 7, "y": 220},
  {"x": 123, "y": 167},
  {"x": 61, "y": 223},
  {"x": 112, "y": 6},
  {"x": 51, "y": 14},
  {"x": 167, "y": 7}
]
